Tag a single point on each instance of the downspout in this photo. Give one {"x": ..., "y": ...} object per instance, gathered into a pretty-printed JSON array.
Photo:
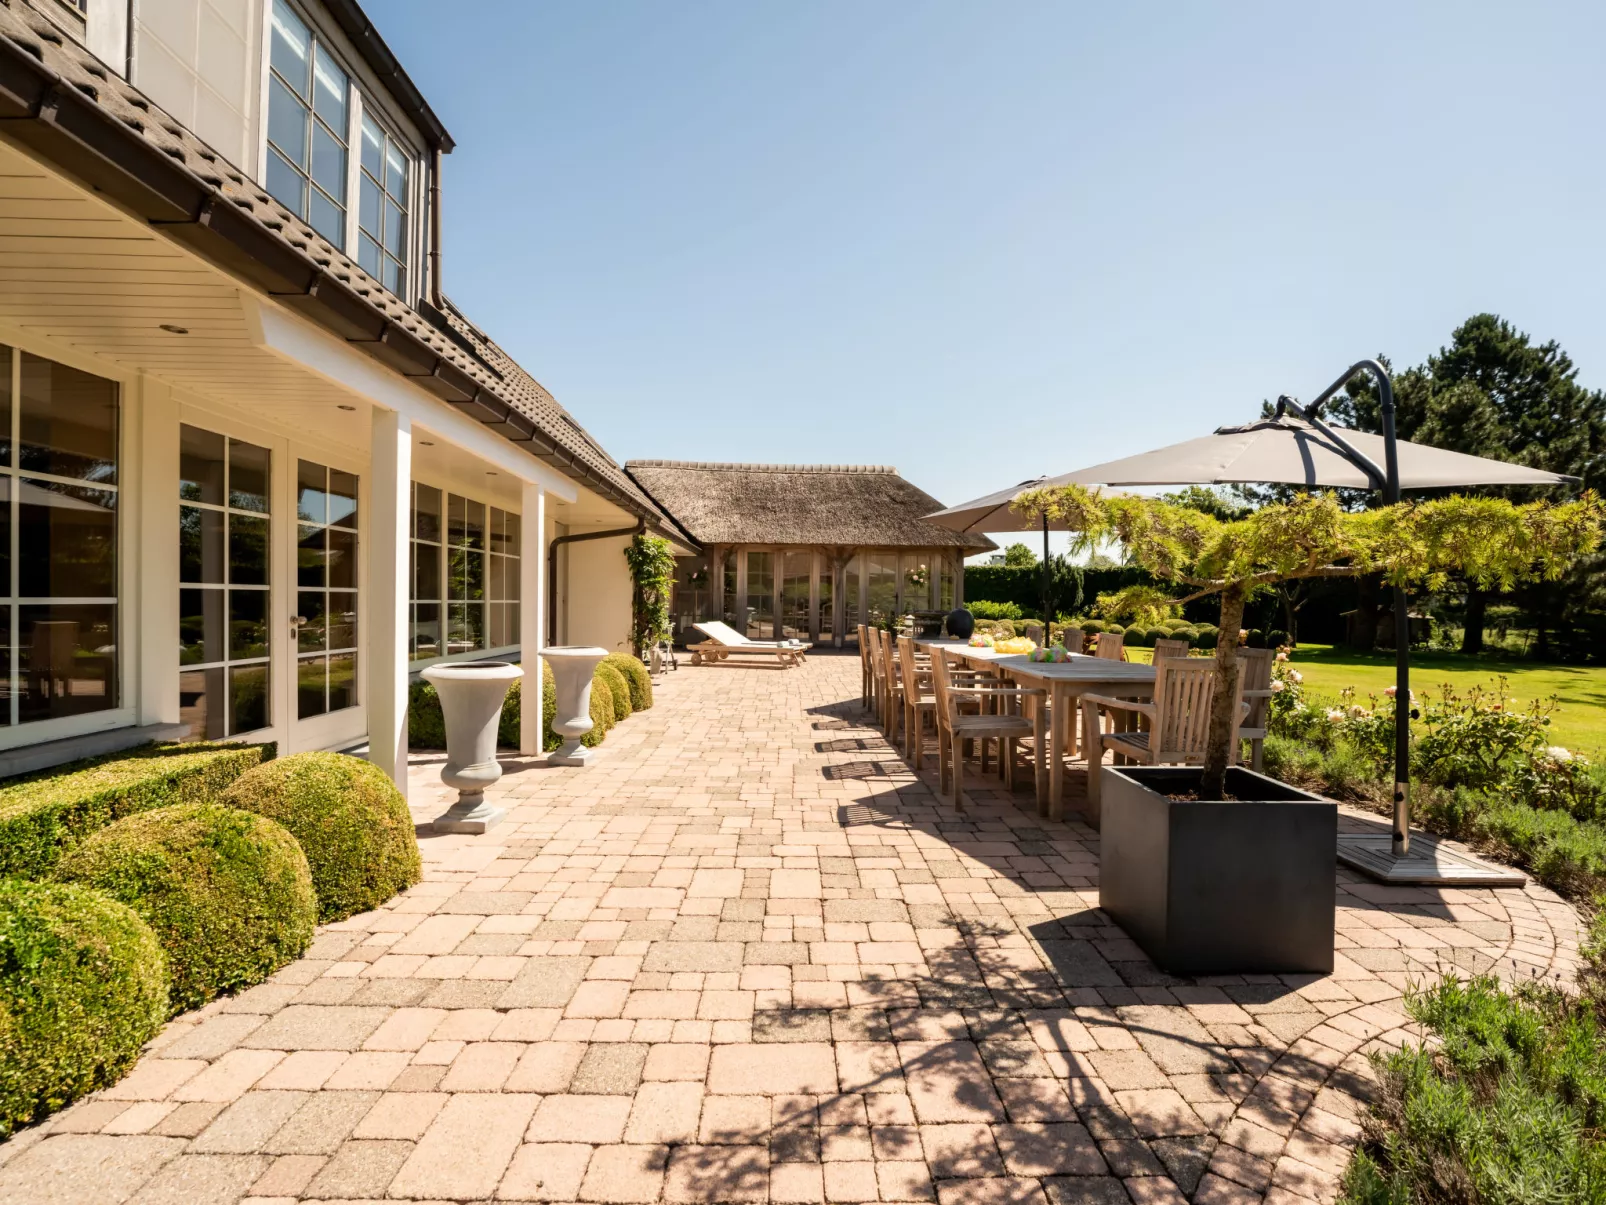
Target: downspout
[
  {"x": 552, "y": 566},
  {"x": 436, "y": 296}
]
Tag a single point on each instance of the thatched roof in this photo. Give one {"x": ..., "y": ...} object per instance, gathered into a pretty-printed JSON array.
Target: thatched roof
[{"x": 857, "y": 505}]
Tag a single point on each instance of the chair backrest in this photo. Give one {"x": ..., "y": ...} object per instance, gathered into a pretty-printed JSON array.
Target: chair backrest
[
  {"x": 720, "y": 632},
  {"x": 1034, "y": 633},
  {"x": 1254, "y": 675},
  {"x": 942, "y": 688},
  {"x": 1111, "y": 646},
  {"x": 883, "y": 659},
  {"x": 1183, "y": 692},
  {"x": 906, "y": 667},
  {"x": 1169, "y": 648},
  {"x": 864, "y": 646}
]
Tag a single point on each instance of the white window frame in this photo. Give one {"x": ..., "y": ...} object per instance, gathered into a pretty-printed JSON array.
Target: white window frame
[{"x": 414, "y": 665}]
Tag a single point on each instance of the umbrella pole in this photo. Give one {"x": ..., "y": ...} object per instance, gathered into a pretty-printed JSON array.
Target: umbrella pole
[
  {"x": 1048, "y": 618},
  {"x": 1402, "y": 639}
]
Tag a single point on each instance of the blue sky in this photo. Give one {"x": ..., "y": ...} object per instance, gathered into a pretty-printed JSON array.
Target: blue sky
[{"x": 982, "y": 242}]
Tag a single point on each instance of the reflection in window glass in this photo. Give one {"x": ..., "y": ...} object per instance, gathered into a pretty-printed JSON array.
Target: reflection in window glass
[
  {"x": 308, "y": 99},
  {"x": 58, "y": 509},
  {"x": 760, "y": 620},
  {"x": 465, "y": 575},
  {"x": 382, "y": 207},
  {"x": 326, "y": 601},
  {"x": 224, "y": 633}
]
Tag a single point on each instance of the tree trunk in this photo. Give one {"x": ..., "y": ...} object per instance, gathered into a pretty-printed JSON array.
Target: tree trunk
[
  {"x": 1223, "y": 724},
  {"x": 1365, "y": 629},
  {"x": 1477, "y": 608}
]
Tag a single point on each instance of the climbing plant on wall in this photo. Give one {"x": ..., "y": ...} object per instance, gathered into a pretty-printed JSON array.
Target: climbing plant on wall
[{"x": 652, "y": 573}]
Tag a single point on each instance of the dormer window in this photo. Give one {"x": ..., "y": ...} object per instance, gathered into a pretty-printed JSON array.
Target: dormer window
[
  {"x": 309, "y": 99},
  {"x": 382, "y": 207}
]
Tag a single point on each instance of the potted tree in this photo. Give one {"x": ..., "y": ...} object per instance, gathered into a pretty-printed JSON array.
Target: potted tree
[{"x": 1253, "y": 891}]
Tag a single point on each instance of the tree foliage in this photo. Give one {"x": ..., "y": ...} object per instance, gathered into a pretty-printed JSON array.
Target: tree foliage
[
  {"x": 1491, "y": 542},
  {"x": 1019, "y": 556}
]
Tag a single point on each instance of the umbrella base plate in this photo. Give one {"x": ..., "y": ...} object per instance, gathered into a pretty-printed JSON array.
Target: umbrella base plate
[{"x": 1429, "y": 864}]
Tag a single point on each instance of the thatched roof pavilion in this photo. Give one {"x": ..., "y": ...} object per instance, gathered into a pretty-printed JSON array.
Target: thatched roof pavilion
[{"x": 783, "y": 542}]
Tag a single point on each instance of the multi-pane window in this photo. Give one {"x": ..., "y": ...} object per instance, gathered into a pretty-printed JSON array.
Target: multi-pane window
[
  {"x": 58, "y": 540},
  {"x": 382, "y": 207},
  {"x": 326, "y": 590},
  {"x": 465, "y": 572},
  {"x": 309, "y": 99},
  {"x": 224, "y": 637}
]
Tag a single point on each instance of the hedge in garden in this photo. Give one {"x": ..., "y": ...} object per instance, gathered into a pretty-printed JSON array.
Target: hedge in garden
[
  {"x": 83, "y": 985},
  {"x": 228, "y": 894},
  {"x": 602, "y": 711},
  {"x": 618, "y": 689},
  {"x": 636, "y": 677},
  {"x": 350, "y": 819},
  {"x": 43, "y": 815}
]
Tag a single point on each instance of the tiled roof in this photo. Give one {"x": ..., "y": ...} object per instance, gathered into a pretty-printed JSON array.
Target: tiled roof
[{"x": 59, "y": 99}]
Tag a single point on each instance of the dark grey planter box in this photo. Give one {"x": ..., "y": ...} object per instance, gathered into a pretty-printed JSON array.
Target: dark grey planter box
[{"x": 1219, "y": 888}]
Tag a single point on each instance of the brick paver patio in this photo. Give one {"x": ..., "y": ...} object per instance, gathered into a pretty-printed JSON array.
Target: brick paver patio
[{"x": 749, "y": 956}]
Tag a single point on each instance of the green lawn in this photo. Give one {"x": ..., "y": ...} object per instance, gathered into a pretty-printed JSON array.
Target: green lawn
[{"x": 1579, "y": 722}]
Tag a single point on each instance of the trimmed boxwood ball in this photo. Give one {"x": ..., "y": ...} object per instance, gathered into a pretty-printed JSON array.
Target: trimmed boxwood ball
[
  {"x": 228, "y": 894},
  {"x": 351, "y": 822},
  {"x": 83, "y": 985},
  {"x": 602, "y": 712},
  {"x": 1206, "y": 639},
  {"x": 618, "y": 688},
  {"x": 636, "y": 677}
]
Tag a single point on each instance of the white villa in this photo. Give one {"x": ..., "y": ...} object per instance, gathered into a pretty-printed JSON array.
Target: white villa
[{"x": 256, "y": 470}]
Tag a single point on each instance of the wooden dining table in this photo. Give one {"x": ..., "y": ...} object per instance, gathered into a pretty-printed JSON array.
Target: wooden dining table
[{"x": 1066, "y": 682}]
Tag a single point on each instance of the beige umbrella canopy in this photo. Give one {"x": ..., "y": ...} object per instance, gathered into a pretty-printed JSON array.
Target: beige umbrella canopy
[{"x": 1292, "y": 451}]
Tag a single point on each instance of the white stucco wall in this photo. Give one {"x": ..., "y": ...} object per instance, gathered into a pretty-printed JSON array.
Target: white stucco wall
[{"x": 597, "y": 594}]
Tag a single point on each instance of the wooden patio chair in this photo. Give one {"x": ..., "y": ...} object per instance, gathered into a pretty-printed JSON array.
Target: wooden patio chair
[
  {"x": 866, "y": 672},
  {"x": 890, "y": 682},
  {"x": 1254, "y": 676},
  {"x": 1034, "y": 633},
  {"x": 1178, "y": 721},
  {"x": 1169, "y": 648},
  {"x": 954, "y": 727},
  {"x": 918, "y": 700},
  {"x": 1110, "y": 645}
]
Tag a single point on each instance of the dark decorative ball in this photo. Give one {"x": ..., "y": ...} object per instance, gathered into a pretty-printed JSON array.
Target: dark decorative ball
[{"x": 960, "y": 623}]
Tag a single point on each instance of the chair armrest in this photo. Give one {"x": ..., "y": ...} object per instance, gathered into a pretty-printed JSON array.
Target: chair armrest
[
  {"x": 1258, "y": 694},
  {"x": 1001, "y": 691},
  {"x": 1105, "y": 703}
]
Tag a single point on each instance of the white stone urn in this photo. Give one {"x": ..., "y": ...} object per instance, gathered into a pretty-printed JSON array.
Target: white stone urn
[
  {"x": 572, "y": 667},
  {"x": 471, "y": 694}
]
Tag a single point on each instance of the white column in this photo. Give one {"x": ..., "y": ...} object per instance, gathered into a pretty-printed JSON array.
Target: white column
[
  {"x": 388, "y": 592},
  {"x": 156, "y": 612},
  {"x": 532, "y": 614}
]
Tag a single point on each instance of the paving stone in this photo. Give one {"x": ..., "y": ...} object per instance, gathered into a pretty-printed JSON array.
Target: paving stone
[
  {"x": 467, "y": 1148},
  {"x": 665, "y": 1112},
  {"x": 202, "y": 1180},
  {"x": 360, "y": 1168},
  {"x": 789, "y": 1067},
  {"x": 546, "y": 1172},
  {"x": 593, "y": 1119},
  {"x": 71, "y": 1168},
  {"x": 316, "y": 1027},
  {"x": 610, "y": 1068},
  {"x": 248, "y": 1123},
  {"x": 717, "y": 1173},
  {"x": 625, "y": 1174},
  {"x": 322, "y": 1123},
  {"x": 1055, "y": 1149},
  {"x": 705, "y": 956},
  {"x": 544, "y": 983}
]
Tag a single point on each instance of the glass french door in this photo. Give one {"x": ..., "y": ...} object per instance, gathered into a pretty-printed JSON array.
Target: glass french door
[{"x": 326, "y": 695}]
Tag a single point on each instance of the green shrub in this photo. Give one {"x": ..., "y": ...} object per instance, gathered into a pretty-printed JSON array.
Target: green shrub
[
  {"x": 982, "y": 609},
  {"x": 426, "y": 725},
  {"x": 1566, "y": 854},
  {"x": 636, "y": 678},
  {"x": 1276, "y": 638},
  {"x": 43, "y": 815},
  {"x": 1137, "y": 638},
  {"x": 618, "y": 690},
  {"x": 1257, "y": 638},
  {"x": 83, "y": 985},
  {"x": 507, "y": 725},
  {"x": 602, "y": 712},
  {"x": 228, "y": 894},
  {"x": 1505, "y": 1106},
  {"x": 351, "y": 822},
  {"x": 549, "y": 708},
  {"x": 1150, "y": 635}
]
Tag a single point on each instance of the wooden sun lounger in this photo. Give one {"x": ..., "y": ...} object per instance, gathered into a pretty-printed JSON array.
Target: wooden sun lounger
[{"x": 725, "y": 641}]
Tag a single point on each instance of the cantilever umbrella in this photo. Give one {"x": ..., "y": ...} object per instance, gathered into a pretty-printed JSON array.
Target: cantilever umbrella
[
  {"x": 993, "y": 513},
  {"x": 1295, "y": 447}
]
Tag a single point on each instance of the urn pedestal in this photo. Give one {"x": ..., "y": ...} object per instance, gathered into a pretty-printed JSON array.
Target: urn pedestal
[
  {"x": 572, "y": 667},
  {"x": 471, "y": 695}
]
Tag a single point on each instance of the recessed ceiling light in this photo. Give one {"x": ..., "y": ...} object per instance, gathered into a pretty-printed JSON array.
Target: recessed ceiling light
[
  {"x": 174, "y": 330},
  {"x": 428, "y": 443},
  {"x": 345, "y": 407},
  {"x": 490, "y": 472}
]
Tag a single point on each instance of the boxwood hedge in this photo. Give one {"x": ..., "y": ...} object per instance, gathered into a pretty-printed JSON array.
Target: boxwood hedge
[
  {"x": 618, "y": 689},
  {"x": 83, "y": 985},
  {"x": 636, "y": 677},
  {"x": 350, "y": 819},
  {"x": 43, "y": 815},
  {"x": 228, "y": 894}
]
